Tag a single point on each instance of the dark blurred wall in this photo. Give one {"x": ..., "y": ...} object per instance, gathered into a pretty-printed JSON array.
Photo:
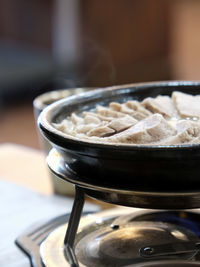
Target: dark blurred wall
[
  {"x": 125, "y": 41},
  {"x": 108, "y": 42},
  {"x": 185, "y": 39},
  {"x": 27, "y": 22},
  {"x": 25, "y": 48}
]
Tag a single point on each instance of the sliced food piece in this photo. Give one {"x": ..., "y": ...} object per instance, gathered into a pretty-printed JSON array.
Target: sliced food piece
[
  {"x": 85, "y": 128},
  {"x": 91, "y": 118},
  {"x": 161, "y": 104},
  {"x": 187, "y": 132},
  {"x": 122, "y": 123},
  {"x": 65, "y": 126},
  {"x": 101, "y": 131},
  {"x": 132, "y": 108},
  {"x": 188, "y": 106},
  {"x": 195, "y": 140},
  {"x": 107, "y": 112},
  {"x": 120, "y": 108},
  {"x": 99, "y": 117},
  {"x": 76, "y": 119},
  {"x": 115, "y": 106},
  {"x": 192, "y": 127},
  {"x": 151, "y": 129},
  {"x": 139, "y": 112}
]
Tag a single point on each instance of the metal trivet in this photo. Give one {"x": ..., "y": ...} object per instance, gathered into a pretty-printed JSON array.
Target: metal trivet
[
  {"x": 60, "y": 168},
  {"x": 114, "y": 229},
  {"x": 150, "y": 252},
  {"x": 73, "y": 223},
  {"x": 29, "y": 242}
]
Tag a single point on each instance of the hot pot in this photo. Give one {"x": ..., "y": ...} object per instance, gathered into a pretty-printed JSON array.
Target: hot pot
[{"x": 131, "y": 175}]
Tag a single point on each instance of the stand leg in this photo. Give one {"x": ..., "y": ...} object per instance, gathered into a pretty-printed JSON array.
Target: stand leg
[{"x": 73, "y": 226}]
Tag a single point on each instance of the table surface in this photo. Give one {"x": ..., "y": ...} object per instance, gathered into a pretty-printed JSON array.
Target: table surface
[
  {"x": 26, "y": 167},
  {"x": 26, "y": 198}
]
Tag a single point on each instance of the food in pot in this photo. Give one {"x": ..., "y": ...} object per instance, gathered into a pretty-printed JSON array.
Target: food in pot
[{"x": 162, "y": 120}]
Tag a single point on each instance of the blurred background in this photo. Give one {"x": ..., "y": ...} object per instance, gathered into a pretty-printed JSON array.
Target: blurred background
[{"x": 55, "y": 44}]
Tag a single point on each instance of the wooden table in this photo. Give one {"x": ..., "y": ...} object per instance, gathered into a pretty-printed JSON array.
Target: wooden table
[{"x": 26, "y": 167}]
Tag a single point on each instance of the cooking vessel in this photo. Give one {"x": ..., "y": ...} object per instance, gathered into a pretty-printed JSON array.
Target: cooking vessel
[{"x": 159, "y": 169}]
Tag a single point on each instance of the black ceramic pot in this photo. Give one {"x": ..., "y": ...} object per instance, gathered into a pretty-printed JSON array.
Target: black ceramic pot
[{"x": 127, "y": 167}]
